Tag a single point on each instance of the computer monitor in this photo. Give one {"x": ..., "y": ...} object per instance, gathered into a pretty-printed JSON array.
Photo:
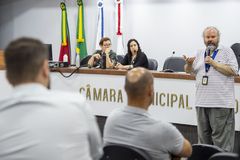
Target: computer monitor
[{"x": 49, "y": 48}]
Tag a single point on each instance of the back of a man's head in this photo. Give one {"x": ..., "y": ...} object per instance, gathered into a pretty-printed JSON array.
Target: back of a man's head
[
  {"x": 24, "y": 58},
  {"x": 137, "y": 82}
]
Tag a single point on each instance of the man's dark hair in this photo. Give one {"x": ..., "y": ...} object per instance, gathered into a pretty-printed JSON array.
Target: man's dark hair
[{"x": 24, "y": 58}]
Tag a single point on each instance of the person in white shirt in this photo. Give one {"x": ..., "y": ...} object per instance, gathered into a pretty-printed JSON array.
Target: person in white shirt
[
  {"x": 37, "y": 123},
  {"x": 214, "y": 68}
]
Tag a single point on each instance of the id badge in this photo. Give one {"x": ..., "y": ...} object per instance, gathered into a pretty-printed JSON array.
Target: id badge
[{"x": 205, "y": 80}]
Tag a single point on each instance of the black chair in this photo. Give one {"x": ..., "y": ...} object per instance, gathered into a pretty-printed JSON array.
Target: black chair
[
  {"x": 152, "y": 64},
  {"x": 224, "y": 156},
  {"x": 123, "y": 152},
  {"x": 120, "y": 58},
  {"x": 203, "y": 151},
  {"x": 175, "y": 64},
  {"x": 84, "y": 61},
  {"x": 236, "y": 49}
]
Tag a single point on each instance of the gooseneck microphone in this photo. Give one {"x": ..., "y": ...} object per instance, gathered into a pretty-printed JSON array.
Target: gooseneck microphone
[
  {"x": 169, "y": 70},
  {"x": 208, "y": 50}
]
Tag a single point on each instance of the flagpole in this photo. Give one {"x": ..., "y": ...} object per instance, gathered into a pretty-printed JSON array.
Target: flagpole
[
  {"x": 100, "y": 23},
  {"x": 119, "y": 17},
  {"x": 65, "y": 36}
]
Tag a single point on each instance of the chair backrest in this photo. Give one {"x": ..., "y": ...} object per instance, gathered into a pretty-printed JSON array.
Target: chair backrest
[
  {"x": 236, "y": 49},
  {"x": 84, "y": 61},
  {"x": 152, "y": 64},
  {"x": 120, "y": 58},
  {"x": 174, "y": 63},
  {"x": 203, "y": 151},
  {"x": 224, "y": 156},
  {"x": 123, "y": 152}
]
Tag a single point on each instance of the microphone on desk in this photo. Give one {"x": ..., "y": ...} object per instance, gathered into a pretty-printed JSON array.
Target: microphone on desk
[{"x": 169, "y": 70}]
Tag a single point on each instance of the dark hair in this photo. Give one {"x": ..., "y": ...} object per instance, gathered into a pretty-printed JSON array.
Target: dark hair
[
  {"x": 104, "y": 39},
  {"x": 129, "y": 51},
  {"x": 24, "y": 58}
]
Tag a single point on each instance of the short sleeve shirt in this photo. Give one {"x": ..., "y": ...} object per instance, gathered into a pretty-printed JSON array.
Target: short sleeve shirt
[
  {"x": 135, "y": 127},
  {"x": 219, "y": 92}
]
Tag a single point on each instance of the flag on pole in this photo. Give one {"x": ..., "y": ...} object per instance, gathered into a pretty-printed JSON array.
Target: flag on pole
[
  {"x": 100, "y": 24},
  {"x": 119, "y": 17},
  {"x": 80, "y": 36},
  {"x": 65, "y": 42}
]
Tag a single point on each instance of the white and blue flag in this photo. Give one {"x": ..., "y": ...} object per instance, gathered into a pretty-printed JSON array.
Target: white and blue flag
[{"x": 100, "y": 24}]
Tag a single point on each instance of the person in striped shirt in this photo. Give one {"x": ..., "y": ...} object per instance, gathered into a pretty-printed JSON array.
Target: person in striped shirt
[{"x": 214, "y": 68}]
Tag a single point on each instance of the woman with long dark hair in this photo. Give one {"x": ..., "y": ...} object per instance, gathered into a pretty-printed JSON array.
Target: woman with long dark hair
[{"x": 134, "y": 58}]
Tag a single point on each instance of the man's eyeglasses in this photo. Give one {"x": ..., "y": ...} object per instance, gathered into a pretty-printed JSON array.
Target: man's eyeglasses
[{"x": 107, "y": 45}]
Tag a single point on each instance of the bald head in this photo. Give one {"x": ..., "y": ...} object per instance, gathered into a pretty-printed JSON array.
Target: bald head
[{"x": 138, "y": 80}]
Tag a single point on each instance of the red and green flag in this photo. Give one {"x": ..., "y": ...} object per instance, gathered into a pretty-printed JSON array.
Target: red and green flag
[
  {"x": 65, "y": 43},
  {"x": 80, "y": 36}
]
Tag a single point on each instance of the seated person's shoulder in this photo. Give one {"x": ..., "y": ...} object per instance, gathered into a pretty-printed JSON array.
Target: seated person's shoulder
[
  {"x": 115, "y": 113},
  {"x": 143, "y": 54},
  {"x": 69, "y": 97},
  {"x": 97, "y": 51}
]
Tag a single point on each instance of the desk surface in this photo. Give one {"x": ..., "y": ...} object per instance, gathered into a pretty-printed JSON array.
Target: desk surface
[{"x": 156, "y": 74}]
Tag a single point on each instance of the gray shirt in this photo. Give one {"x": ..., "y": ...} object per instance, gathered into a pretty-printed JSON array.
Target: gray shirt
[
  {"x": 134, "y": 127},
  {"x": 39, "y": 124}
]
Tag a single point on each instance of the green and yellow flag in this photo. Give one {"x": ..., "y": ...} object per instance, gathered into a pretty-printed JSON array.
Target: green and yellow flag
[
  {"x": 65, "y": 42},
  {"x": 81, "y": 41}
]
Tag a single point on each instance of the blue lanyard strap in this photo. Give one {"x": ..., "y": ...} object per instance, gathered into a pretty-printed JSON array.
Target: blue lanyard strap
[{"x": 207, "y": 66}]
